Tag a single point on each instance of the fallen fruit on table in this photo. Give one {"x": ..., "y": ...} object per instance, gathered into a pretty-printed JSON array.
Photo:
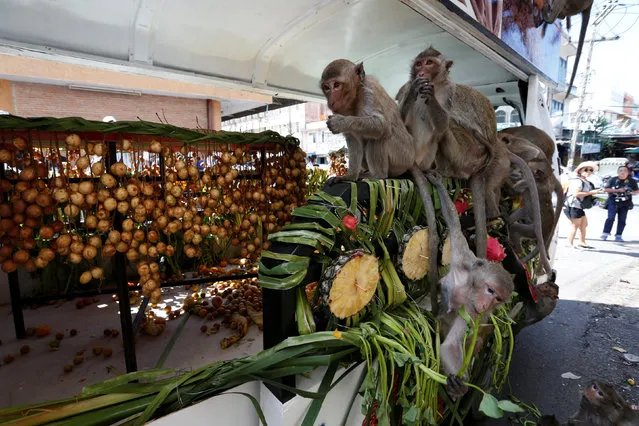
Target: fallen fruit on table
[
  {"x": 107, "y": 352},
  {"x": 78, "y": 360},
  {"x": 42, "y": 331},
  {"x": 97, "y": 350},
  {"x": 59, "y": 336},
  {"x": 54, "y": 345},
  {"x": 73, "y": 332},
  {"x": 24, "y": 350},
  {"x": 8, "y": 359},
  {"x": 68, "y": 368}
]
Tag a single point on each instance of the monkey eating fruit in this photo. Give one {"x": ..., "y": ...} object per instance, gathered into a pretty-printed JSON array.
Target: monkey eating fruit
[
  {"x": 455, "y": 130},
  {"x": 476, "y": 284}
]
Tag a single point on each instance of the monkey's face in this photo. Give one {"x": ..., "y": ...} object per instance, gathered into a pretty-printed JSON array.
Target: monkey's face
[
  {"x": 492, "y": 286},
  {"x": 599, "y": 394},
  {"x": 430, "y": 67},
  {"x": 341, "y": 95}
]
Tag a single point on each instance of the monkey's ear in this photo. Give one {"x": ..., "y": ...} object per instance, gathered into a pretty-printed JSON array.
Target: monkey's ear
[
  {"x": 359, "y": 70},
  {"x": 448, "y": 64}
]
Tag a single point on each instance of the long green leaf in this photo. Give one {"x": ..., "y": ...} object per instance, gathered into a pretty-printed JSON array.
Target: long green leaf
[
  {"x": 310, "y": 226},
  {"x": 107, "y": 386},
  {"x": 174, "y": 337},
  {"x": 316, "y": 405},
  {"x": 283, "y": 283},
  {"x": 333, "y": 200},
  {"x": 312, "y": 211},
  {"x": 287, "y": 268},
  {"x": 283, "y": 256},
  {"x": 255, "y": 402}
]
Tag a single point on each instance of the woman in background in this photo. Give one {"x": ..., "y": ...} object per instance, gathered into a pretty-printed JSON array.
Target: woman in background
[
  {"x": 620, "y": 190},
  {"x": 578, "y": 198}
]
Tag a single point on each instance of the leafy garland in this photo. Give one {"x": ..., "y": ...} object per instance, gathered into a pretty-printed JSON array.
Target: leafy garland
[
  {"x": 79, "y": 125},
  {"x": 398, "y": 340}
]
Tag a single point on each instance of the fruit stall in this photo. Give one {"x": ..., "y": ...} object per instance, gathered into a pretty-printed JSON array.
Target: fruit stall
[
  {"x": 138, "y": 209},
  {"x": 91, "y": 208}
]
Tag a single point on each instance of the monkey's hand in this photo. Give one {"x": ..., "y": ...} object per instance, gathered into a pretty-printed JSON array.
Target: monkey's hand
[
  {"x": 416, "y": 87},
  {"x": 337, "y": 123},
  {"x": 455, "y": 387},
  {"x": 427, "y": 91}
]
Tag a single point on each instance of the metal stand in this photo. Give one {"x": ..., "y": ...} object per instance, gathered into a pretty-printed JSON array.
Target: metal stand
[{"x": 16, "y": 306}]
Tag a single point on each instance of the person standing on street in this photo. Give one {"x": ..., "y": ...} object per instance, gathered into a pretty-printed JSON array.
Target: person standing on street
[
  {"x": 579, "y": 197},
  {"x": 620, "y": 190}
]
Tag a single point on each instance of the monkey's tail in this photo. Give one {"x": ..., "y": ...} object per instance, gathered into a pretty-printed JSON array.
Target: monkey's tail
[
  {"x": 557, "y": 215},
  {"x": 534, "y": 199},
  {"x": 433, "y": 237}
]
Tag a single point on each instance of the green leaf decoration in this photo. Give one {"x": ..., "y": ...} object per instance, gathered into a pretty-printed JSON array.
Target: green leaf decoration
[
  {"x": 490, "y": 407},
  {"x": 509, "y": 406},
  {"x": 410, "y": 416}
]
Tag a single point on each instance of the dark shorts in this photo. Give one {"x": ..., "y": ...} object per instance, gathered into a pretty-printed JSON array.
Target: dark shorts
[{"x": 574, "y": 212}]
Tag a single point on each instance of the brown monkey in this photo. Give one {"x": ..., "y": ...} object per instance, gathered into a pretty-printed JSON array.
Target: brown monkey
[
  {"x": 546, "y": 182},
  {"x": 565, "y": 9},
  {"x": 474, "y": 283},
  {"x": 454, "y": 128},
  {"x": 536, "y": 136},
  {"x": 368, "y": 118},
  {"x": 375, "y": 135},
  {"x": 600, "y": 405}
]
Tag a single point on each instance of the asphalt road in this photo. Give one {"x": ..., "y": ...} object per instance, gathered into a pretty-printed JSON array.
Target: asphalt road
[{"x": 598, "y": 310}]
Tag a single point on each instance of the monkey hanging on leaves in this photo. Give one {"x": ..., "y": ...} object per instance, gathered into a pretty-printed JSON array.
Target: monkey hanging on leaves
[{"x": 475, "y": 284}]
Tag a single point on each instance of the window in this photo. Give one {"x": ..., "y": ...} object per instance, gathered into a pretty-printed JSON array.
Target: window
[
  {"x": 501, "y": 116},
  {"x": 514, "y": 117}
]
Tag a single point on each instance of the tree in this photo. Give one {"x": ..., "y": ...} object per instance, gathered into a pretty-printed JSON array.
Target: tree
[{"x": 600, "y": 124}]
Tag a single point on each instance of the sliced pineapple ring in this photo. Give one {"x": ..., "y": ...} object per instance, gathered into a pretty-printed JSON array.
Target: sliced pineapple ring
[
  {"x": 414, "y": 254},
  {"x": 354, "y": 285},
  {"x": 446, "y": 252}
]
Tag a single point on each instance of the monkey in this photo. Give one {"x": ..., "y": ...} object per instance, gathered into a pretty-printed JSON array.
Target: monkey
[
  {"x": 367, "y": 116},
  {"x": 478, "y": 285},
  {"x": 534, "y": 135},
  {"x": 454, "y": 129},
  {"x": 600, "y": 405},
  {"x": 375, "y": 136},
  {"x": 546, "y": 182},
  {"x": 565, "y": 9}
]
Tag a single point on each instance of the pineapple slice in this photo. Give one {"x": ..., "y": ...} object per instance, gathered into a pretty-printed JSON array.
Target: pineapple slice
[
  {"x": 414, "y": 253},
  {"x": 446, "y": 252},
  {"x": 349, "y": 284}
]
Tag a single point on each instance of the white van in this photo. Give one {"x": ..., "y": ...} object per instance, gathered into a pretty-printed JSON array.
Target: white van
[{"x": 608, "y": 166}]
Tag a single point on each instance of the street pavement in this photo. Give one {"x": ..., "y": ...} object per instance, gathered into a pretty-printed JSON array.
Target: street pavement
[{"x": 598, "y": 310}]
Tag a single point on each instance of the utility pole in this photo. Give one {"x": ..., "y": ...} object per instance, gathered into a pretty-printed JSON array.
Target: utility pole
[{"x": 580, "y": 112}]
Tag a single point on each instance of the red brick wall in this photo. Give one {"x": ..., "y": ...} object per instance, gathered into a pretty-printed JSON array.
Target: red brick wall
[{"x": 41, "y": 100}]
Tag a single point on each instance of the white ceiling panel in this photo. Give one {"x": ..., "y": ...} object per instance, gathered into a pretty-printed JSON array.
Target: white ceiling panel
[{"x": 280, "y": 46}]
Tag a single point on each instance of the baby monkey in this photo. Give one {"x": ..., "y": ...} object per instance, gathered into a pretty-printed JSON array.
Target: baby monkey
[{"x": 600, "y": 405}]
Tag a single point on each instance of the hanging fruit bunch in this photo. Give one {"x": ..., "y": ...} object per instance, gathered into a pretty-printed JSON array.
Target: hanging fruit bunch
[
  {"x": 337, "y": 163},
  {"x": 165, "y": 205}
]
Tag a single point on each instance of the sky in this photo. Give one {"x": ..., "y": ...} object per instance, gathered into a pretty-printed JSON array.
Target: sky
[{"x": 617, "y": 60}]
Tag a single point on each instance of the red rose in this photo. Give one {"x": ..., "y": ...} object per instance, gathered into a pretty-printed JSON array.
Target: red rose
[
  {"x": 461, "y": 206},
  {"x": 494, "y": 250},
  {"x": 350, "y": 222}
]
